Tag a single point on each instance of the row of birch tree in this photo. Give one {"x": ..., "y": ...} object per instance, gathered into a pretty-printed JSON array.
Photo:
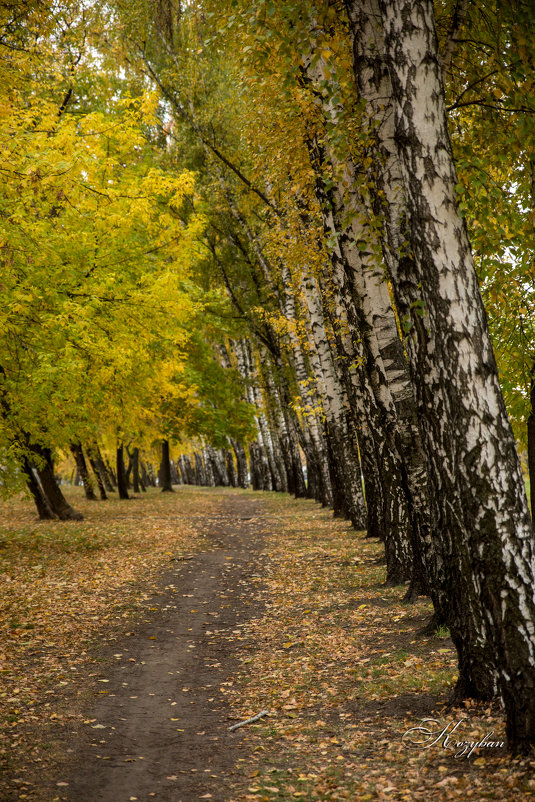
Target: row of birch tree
[
  {"x": 291, "y": 248},
  {"x": 326, "y": 137}
]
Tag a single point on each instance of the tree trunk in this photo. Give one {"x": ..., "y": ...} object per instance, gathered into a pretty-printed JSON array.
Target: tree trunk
[
  {"x": 101, "y": 466},
  {"x": 144, "y": 474},
  {"x": 241, "y": 462},
  {"x": 136, "y": 480},
  {"x": 200, "y": 473},
  {"x": 98, "y": 473},
  {"x": 78, "y": 454},
  {"x": 255, "y": 466},
  {"x": 288, "y": 438},
  {"x": 113, "y": 479},
  {"x": 531, "y": 446},
  {"x": 121, "y": 474},
  {"x": 231, "y": 469},
  {"x": 165, "y": 469},
  {"x": 186, "y": 470},
  {"x": 51, "y": 489},
  {"x": 128, "y": 471},
  {"x": 44, "y": 510},
  {"x": 481, "y": 527},
  {"x": 217, "y": 466},
  {"x": 343, "y": 457},
  {"x": 386, "y": 507},
  {"x": 175, "y": 474},
  {"x": 208, "y": 468}
]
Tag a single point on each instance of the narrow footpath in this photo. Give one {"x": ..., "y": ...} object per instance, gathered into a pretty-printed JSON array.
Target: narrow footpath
[{"x": 159, "y": 729}]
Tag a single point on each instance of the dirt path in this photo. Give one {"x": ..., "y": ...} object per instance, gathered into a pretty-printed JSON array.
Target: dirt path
[{"x": 159, "y": 731}]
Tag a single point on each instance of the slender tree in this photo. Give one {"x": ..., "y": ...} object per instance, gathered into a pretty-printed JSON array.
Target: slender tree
[{"x": 122, "y": 486}]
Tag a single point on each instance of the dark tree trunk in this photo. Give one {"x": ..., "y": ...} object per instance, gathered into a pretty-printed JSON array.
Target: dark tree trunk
[
  {"x": 189, "y": 473},
  {"x": 121, "y": 474},
  {"x": 241, "y": 461},
  {"x": 340, "y": 509},
  {"x": 146, "y": 475},
  {"x": 165, "y": 469},
  {"x": 231, "y": 469},
  {"x": 44, "y": 510},
  {"x": 182, "y": 467},
  {"x": 128, "y": 471},
  {"x": 102, "y": 468},
  {"x": 216, "y": 459},
  {"x": 135, "y": 470},
  {"x": 256, "y": 474},
  {"x": 78, "y": 454},
  {"x": 264, "y": 468},
  {"x": 99, "y": 474},
  {"x": 294, "y": 468},
  {"x": 114, "y": 479},
  {"x": 56, "y": 499},
  {"x": 208, "y": 468},
  {"x": 290, "y": 443},
  {"x": 313, "y": 491},
  {"x": 176, "y": 479}
]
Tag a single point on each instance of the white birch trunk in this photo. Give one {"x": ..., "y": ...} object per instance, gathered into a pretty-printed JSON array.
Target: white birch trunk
[
  {"x": 480, "y": 515},
  {"x": 344, "y": 455},
  {"x": 347, "y": 219}
]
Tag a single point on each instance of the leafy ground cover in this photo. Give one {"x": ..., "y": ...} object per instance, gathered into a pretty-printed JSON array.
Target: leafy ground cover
[
  {"x": 64, "y": 585},
  {"x": 345, "y": 672},
  {"x": 335, "y": 657}
]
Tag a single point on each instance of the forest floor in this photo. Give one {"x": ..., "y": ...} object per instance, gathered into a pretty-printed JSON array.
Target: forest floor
[{"x": 133, "y": 640}]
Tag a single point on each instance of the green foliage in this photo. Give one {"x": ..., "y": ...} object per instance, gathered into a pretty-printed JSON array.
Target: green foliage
[{"x": 493, "y": 132}]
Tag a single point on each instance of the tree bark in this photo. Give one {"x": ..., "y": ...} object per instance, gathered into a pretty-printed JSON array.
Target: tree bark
[
  {"x": 343, "y": 456},
  {"x": 165, "y": 469},
  {"x": 386, "y": 508},
  {"x": 112, "y": 474},
  {"x": 241, "y": 462},
  {"x": 44, "y": 510},
  {"x": 98, "y": 473},
  {"x": 78, "y": 454},
  {"x": 480, "y": 521},
  {"x": 200, "y": 472},
  {"x": 231, "y": 469},
  {"x": 121, "y": 474},
  {"x": 128, "y": 471},
  {"x": 51, "y": 489},
  {"x": 101, "y": 465},
  {"x": 136, "y": 479},
  {"x": 531, "y": 446},
  {"x": 286, "y": 425}
]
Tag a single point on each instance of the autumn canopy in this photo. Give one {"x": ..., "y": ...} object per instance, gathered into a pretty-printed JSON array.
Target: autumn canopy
[{"x": 287, "y": 245}]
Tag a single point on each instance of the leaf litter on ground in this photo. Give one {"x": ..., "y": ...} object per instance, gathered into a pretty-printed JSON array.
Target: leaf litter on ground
[
  {"x": 337, "y": 659},
  {"x": 68, "y": 586},
  {"x": 342, "y": 664}
]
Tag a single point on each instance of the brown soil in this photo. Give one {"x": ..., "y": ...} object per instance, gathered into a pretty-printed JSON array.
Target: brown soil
[{"x": 159, "y": 729}]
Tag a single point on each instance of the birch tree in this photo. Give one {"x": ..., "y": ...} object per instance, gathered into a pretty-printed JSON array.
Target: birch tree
[{"x": 479, "y": 511}]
